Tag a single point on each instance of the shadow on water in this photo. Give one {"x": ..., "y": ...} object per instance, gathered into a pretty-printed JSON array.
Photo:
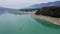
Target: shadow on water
[{"x": 47, "y": 24}]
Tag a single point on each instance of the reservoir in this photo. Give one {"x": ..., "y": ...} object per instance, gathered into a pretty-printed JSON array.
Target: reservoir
[{"x": 25, "y": 24}]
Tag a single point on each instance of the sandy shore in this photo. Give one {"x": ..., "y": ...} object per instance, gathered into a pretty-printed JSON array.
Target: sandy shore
[{"x": 47, "y": 18}]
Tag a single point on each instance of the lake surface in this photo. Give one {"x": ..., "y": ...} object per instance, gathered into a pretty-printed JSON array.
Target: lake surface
[{"x": 25, "y": 24}]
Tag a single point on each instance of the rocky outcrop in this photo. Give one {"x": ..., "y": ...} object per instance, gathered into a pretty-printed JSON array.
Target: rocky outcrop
[{"x": 53, "y": 11}]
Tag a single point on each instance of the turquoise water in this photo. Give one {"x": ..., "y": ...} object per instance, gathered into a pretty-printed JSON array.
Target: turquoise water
[{"x": 25, "y": 24}]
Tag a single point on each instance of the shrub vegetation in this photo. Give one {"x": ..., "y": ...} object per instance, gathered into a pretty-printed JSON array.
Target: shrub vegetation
[{"x": 53, "y": 11}]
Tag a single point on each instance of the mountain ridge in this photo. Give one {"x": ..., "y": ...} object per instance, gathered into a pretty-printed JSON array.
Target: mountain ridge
[
  {"x": 56, "y": 3},
  {"x": 38, "y": 6}
]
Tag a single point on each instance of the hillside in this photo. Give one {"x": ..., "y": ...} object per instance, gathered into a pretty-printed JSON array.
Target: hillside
[{"x": 52, "y": 11}]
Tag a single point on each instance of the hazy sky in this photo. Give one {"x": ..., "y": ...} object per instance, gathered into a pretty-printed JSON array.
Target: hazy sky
[{"x": 21, "y": 3}]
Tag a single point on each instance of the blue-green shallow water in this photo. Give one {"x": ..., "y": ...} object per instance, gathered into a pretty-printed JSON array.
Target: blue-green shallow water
[{"x": 25, "y": 24}]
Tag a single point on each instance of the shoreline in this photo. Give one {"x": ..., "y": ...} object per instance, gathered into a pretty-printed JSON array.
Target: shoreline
[{"x": 46, "y": 18}]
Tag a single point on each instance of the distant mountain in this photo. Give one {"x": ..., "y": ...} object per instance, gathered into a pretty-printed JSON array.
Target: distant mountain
[
  {"x": 3, "y": 10},
  {"x": 38, "y": 6},
  {"x": 56, "y": 3}
]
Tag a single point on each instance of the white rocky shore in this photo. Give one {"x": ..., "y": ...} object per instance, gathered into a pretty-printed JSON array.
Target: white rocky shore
[{"x": 47, "y": 18}]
